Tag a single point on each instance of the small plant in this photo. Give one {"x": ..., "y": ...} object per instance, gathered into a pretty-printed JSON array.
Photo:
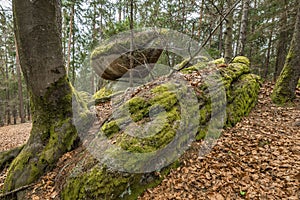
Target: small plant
[{"x": 242, "y": 193}]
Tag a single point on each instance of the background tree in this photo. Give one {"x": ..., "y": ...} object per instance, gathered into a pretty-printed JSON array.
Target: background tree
[
  {"x": 243, "y": 29},
  {"x": 228, "y": 52},
  {"x": 284, "y": 89},
  {"x": 41, "y": 59}
]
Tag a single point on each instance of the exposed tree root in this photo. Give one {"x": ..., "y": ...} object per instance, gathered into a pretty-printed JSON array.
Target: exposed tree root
[{"x": 6, "y": 157}]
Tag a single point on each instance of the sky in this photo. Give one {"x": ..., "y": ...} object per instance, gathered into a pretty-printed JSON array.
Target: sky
[{"x": 5, "y": 3}]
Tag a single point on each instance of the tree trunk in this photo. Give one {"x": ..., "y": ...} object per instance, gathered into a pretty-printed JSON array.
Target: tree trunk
[
  {"x": 70, "y": 38},
  {"x": 7, "y": 101},
  {"x": 285, "y": 87},
  {"x": 73, "y": 57},
  {"x": 1, "y": 116},
  {"x": 252, "y": 32},
  {"x": 38, "y": 34},
  {"x": 267, "y": 62},
  {"x": 228, "y": 35},
  {"x": 20, "y": 90},
  {"x": 28, "y": 107},
  {"x": 120, "y": 10},
  {"x": 282, "y": 42},
  {"x": 200, "y": 19},
  {"x": 243, "y": 30},
  {"x": 15, "y": 114}
]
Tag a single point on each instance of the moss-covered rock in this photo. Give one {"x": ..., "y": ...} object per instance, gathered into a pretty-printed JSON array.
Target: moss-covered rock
[
  {"x": 99, "y": 182},
  {"x": 241, "y": 59},
  {"x": 242, "y": 98},
  {"x": 128, "y": 130}
]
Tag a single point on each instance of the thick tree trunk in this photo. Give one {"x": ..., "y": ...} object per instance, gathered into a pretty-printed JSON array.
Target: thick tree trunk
[
  {"x": 38, "y": 34},
  {"x": 285, "y": 87},
  {"x": 228, "y": 35}
]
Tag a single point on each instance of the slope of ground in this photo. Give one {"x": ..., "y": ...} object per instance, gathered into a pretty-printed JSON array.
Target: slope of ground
[{"x": 259, "y": 158}]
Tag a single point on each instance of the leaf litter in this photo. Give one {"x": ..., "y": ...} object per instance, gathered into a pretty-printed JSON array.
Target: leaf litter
[{"x": 259, "y": 158}]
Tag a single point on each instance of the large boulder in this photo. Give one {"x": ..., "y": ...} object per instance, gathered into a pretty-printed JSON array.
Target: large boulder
[
  {"x": 115, "y": 163},
  {"x": 111, "y": 60}
]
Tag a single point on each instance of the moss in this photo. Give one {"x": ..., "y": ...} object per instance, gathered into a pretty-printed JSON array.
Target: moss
[
  {"x": 243, "y": 98},
  {"x": 6, "y": 157},
  {"x": 161, "y": 136},
  {"x": 138, "y": 108},
  {"x": 103, "y": 92},
  {"x": 241, "y": 94},
  {"x": 205, "y": 113},
  {"x": 233, "y": 71},
  {"x": 218, "y": 61},
  {"x": 166, "y": 100},
  {"x": 102, "y": 183},
  {"x": 51, "y": 136},
  {"x": 241, "y": 59},
  {"x": 197, "y": 67},
  {"x": 184, "y": 63},
  {"x": 202, "y": 130},
  {"x": 98, "y": 183},
  {"x": 110, "y": 128},
  {"x": 18, "y": 165},
  {"x": 161, "y": 88},
  {"x": 283, "y": 91}
]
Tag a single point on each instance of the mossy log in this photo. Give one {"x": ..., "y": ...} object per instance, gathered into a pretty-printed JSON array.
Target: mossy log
[{"x": 92, "y": 179}]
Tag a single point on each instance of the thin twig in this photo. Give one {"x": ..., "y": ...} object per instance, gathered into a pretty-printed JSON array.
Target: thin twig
[{"x": 16, "y": 190}]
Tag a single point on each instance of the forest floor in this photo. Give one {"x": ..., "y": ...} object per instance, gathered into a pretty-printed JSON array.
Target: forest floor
[
  {"x": 14, "y": 135},
  {"x": 259, "y": 158}
]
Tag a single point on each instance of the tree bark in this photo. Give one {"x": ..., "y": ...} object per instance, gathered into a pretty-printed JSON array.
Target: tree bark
[
  {"x": 20, "y": 89},
  {"x": 285, "y": 87},
  {"x": 228, "y": 52},
  {"x": 38, "y": 34},
  {"x": 243, "y": 30},
  {"x": 1, "y": 115},
  {"x": 70, "y": 38},
  {"x": 7, "y": 101},
  {"x": 267, "y": 62},
  {"x": 282, "y": 42}
]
